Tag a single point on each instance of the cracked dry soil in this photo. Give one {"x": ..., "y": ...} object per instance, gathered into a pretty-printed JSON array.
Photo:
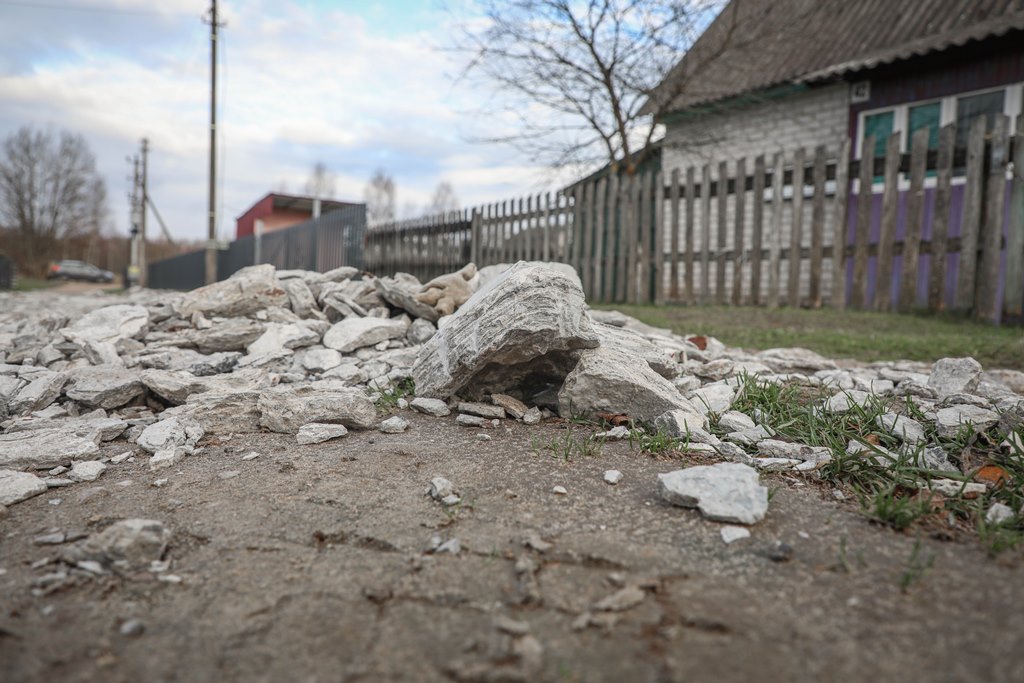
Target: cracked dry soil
[{"x": 312, "y": 565}]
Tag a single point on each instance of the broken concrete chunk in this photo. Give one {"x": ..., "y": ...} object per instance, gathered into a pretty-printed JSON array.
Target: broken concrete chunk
[
  {"x": 355, "y": 333},
  {"x": 724, "y": 492}
]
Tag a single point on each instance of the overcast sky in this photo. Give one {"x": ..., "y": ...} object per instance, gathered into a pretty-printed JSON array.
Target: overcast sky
[{"x": 356, "y": 85}]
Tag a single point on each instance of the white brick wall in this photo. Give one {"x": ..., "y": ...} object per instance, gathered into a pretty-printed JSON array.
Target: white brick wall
[{"x": 808, "y": 119}]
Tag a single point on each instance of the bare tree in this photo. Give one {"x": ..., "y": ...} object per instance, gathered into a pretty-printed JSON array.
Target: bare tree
[
  {"x": 321, "y": 183},
  {"x": 50, "y": 191},
  {"x": 576, "y": 75},
  {"x": 443, "y": 199},
  {"x": 380, "y": 198}
]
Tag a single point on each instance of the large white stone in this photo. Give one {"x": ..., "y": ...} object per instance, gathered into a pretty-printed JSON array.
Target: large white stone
[
  {"x": 725, "y": 492},
  {"x": 633, "y": 344},
  {"x": 171, "y": 432},
  {"x": 247, "y": 291},
  {"x": 523, "y": 324},
  {"x": 104, "y": 386},
  {"x": 40, "y": 392},
  {"x": 18, "y": 486},
  {"x": 949, "y": 421},
  {"x": 355, "y": 333},
  {"x": 318, "y": 432},
  {"x": 280, "y": 336},
  {"x": 45, "y": 448},
  {"x": 955, "y": 376},
  {"x": 108, "y": 324},
  {"x": 607, "y": 380},
  {"x": 286, "y": 409},
  {"x": 908, "y": 430}
]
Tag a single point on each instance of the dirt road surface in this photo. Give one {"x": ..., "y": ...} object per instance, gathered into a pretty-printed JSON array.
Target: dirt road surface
[{"x": 313, "y": 563}]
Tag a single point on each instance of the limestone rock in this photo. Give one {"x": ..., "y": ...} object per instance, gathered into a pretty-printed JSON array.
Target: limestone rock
[
  {"x": 724, "y": 492},
  {"x": 513, "y": 406},
  {"x": 351, "y": 334},
  {"x": 712, "y": 398},
  {"x": 482, "y": 410},
  {"x": 227, "y": 335},
  {"x": 169, "y": 433},
  {"x": 286, "y": 409},
  {"x": 393, "y": 425},
  {"x": 319, "y": 360},
  {"x": 633, "y": 344},
  {"x": 44, "y": 448},
  {"x": 400, "y": 291},
  {"x": 683, "y": 423},
  {"x": 607, "y": 380},
  {"x": 955, "y": 376},
  {"x": 128, "y": 545},
  {"x": 430, "y": 406},
  {"x": 88, "y": 470},
  {"x": 40, "y": 392},
  {"x": 280, "y": 336},
  {"x": 225, "y": 412},
  {"x": 906, "y": 429},
  {"x": 949, "y": 421},
  {"x": 319, "y": 432},
  {"x": 108, "y": 324},
  {"x": 420, "y": 331},
  {"x": 300, "y": 298},
  {"x": 104, "y": 386},
  {"x": 518, "y": 328},
  {"x": 18, "y": 486},
  {"x": 247, "y": 291},
  {"x": 173, "y": 386}
]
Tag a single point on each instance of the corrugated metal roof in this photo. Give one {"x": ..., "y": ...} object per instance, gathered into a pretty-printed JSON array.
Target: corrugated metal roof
[{"x": 757, "y": 44}]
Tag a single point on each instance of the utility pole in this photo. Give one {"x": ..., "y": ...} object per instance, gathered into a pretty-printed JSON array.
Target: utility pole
[
  {"x": 211, "y": 242},
  {"x": 143, "y": 262},
  {"x": 131, "y": 273}
]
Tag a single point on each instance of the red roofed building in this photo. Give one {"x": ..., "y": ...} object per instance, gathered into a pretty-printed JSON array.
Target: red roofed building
[{"x": 279, "y": 211}]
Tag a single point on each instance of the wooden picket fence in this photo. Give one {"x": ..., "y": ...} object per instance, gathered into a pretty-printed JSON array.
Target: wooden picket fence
[{"x": 937, "y": 228}]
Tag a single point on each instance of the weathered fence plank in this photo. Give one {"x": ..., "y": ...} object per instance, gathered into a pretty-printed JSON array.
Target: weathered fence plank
[
  {"x": 969, "y": 226},
  {"x": 658, "y": 252},
  {"x": 940, "y": 219},
  {"x": 688, "y": 237},
  {"x": 775, "y": 233},
  {"x": 817, "y": 227},
  {"x": 796, "y": 230},
  {"x": 755, "y": 231},
  {"x": 723, "y": 230},
  {"x": 840, "y": 218},
  {"x": 705, "y": 235},
  {"x": 986, "y": 305},
  {"x": 858, "y": 297},
  {"x": 673, "y": 195},
  {"x": 887, "y": 229},
  {"x": 611, "y": 274},
  {"x": 739, "y": 209},
  {"x": 915, "y": 216},
  {"x": 1013, "y": 298},
  {"x": 598, "y": 268}
]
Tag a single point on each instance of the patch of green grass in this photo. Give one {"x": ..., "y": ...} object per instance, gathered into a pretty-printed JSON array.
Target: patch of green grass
[
  {"x": 863, "y": 335},
  {"x": 570, "y": 445},
  {"x": 894, "y": 507},
  {"x": 916, "y": 567},
  {"x": 656, "y": 443},
  {"x": 387, "y": 399},
  {"x": 29, "y": 284}
]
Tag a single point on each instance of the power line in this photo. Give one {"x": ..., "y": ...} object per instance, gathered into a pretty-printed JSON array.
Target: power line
[{"x": 86, "y": 8}]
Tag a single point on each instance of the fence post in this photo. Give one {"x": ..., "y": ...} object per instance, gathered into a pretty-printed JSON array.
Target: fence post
[
  {"x": 658, "y": 251},
  {"x": 599, "y": 241},
  {"x": 722, "y": 198},
  {"x": 986, "y": 306},
  {"x": 739, "y": 202},
  {"x": 1013, "y": 297},
  {"x": 673, "y": 193},
  {"x": 966, "y": 275},
  {"x": 775, "y": 234},
  {"x": 796, "y": 224},
  {"x": 474, "y": 237},
  {"x": 257, "y": 243},
  {"x": 940, "y": 219},
  {"x": 691, "y": 201},
  {"x": 858, "y": 297},
  {"x": 840, "y": 218},
  {"x": 915, "y": 213},
  {"x": 756, "y": 243},
  {"x": 887, "y": 230},
  {"x": 817, "y": 227},
  {"x": 610, "y": 275},
  {"x": 644, "y": 242}
]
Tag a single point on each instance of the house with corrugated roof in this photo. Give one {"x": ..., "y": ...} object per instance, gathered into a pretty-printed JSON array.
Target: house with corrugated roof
[{"x": 771, "y": 74}]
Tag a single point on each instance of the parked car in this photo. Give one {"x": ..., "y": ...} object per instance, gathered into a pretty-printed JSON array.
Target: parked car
[{"x": 78, "y": 270}]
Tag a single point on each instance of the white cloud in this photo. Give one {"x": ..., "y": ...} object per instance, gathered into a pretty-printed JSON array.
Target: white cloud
[{"x": 298, "y": 85}]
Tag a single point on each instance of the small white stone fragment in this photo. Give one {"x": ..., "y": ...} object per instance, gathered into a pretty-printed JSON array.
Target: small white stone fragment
[
  {"x": 560, "y": 490},
  {"x": 118, "y": 459},
  {"x": 88, "y": 470},
  {"x": 393, "y": 425},
  {"x": 532, "y": 416},
  {"x": 483, "y": 437},
  {"x": 724, "y": 492},
  {"x": 731, "y": 534},
  {"x": 951, "y": 488},
  {"x": 470, "y": 421},
  {"x": 166, "y": 458},
  {"x": 998, "y": 513},
  {"x": 18, "y": 486},
  {"x": 160, "y": 482},
  {"x": 452, "y": 546},
  {"x": 612, "y": 476},
  {"x": 431, "y": 406},
  {"x": 251, "y": 455},
  {"x": 440, "y": 488},
  {"x": 318, "y": 432},
  {"x": 614, "y": 434}
]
